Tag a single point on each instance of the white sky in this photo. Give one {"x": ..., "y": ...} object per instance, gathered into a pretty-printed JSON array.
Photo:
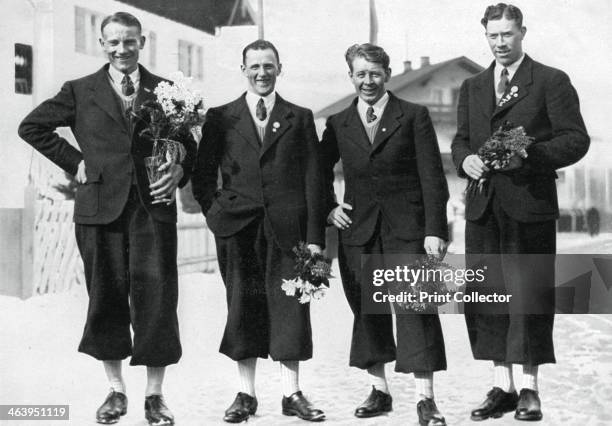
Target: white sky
[{"x": 312, "y": 35}]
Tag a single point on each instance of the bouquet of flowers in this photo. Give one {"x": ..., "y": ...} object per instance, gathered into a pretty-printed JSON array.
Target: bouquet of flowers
[
  {"x": 313, "y": 272},
  {"x": 498, "y": 150},
  {"x": 432, "y": 281},
  {"x": 175, "y": 112}
]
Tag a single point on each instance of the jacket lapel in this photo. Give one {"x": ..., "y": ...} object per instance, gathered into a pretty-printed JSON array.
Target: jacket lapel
[
  {"x": 518, "y": 87},
  {"x": 104, "y": 97},
  {"x": 389, "y": 122},
  {"x": 278, "y": 123},
  {"x": 353, "y": 128},
  {"x": 486, "y": 90},
  {"x": 145, "y": 93},
  {"x": 243, "y": 123}
]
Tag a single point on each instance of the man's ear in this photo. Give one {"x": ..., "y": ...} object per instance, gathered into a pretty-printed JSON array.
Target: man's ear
[
  {"x": 387, "y": 75},
  {"x": 280, "y": 69},
  {"x": 523, "y": 31},
  {"x": 142, "y": 40},
  {"x": 243, "y": 69},
  {"x": 101, "y": 42}
]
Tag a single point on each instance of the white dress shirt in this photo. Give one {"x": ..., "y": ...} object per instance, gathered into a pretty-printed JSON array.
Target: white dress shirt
[
  {"x": 269, "y": 101},
  {"x": 117, "y": 76},
  {"x": 379, "y": 108},
  {"x": 511, "y": 71}
]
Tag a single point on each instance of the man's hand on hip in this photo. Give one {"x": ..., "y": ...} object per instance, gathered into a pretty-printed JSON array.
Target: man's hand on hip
[
  {"x": 474, "y": 167},
  {"x": 435, "y": 246},
  {"x": 164, "y": 190},
  {"x": 338, "y": 218}
]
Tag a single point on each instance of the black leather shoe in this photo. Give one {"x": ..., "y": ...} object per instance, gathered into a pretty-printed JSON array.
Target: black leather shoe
[
  {"x": 243, "y": 406},
  {"x": 113, "y": 407},
  {"x": 528, "y": 407},
  {"x": 377, "y": 403},
  {"x": 429, "y": 415},
  {"x": 156, "y": 411},
  {"x": 298, "y": 405},
  {"x": 496, "y": 405}
]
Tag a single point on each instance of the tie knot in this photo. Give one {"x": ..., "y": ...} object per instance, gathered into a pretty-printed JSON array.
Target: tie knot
[
  {"x": 260, "y": 111},
  {"x": 127, "y": 86},
  {"x": 370, "y": 116},
  {"x": 504, "y": 72}
]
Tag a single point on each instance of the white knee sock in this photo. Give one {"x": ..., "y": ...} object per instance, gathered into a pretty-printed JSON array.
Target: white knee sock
[
  {"x": 503, "y": 376},
  {"x": 155, "y": 379},
  {"x": 113, "y": 373},
  {"x": 423, "y": 385},
  {"x": 530, "y": 377},
  {"x": 378, "y": 378},
  {"x": 290, "y": 374},
  {"x": 246, "y": 371}
]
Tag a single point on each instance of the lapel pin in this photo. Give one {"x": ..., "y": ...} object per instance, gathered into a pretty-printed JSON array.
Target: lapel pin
[
  {"x": 147, "y": 90},
  {"x": 275, "y": 126},
  {"x": 384, "y": 129},
  {"x": 513, "y": 89}
]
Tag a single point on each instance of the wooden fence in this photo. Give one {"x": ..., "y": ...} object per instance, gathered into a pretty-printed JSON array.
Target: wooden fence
[{"x": 57, "y": 265}]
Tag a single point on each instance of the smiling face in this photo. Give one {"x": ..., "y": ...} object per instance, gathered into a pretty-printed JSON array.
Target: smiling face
[
  {"x": 505, "y": 39},
  {"x": 122, "y": 45},
  {"x": 261, "y": 69},
  {"x": 369, "y": 79}
]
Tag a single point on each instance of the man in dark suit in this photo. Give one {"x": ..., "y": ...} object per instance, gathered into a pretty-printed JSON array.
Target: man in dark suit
[
  {"x": 514, "y": 214},
  {"x": 394, "y": 202},
  {"x": 270, "y": 199},
  {"x": 125, "y": 228}
]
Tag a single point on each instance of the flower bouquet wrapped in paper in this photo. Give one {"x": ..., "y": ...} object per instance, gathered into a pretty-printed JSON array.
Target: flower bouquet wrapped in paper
[
  {"x": 313, "y": 272},
  {"x": 498, "y": 150},
  {"x": 175, "y": 112}
]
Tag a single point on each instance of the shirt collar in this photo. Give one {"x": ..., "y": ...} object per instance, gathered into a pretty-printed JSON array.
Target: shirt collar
[
  {"x": 379, "y": 108},
  {"x": 117, "y": 76},
  {"x": 511, "y": 68},
  {"x": 253, "y": 98}
]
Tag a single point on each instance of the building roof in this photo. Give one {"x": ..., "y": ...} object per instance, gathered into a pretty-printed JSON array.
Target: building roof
[
  {"x": 400, "y": 81},
  {"x": 204, "y": 15}
]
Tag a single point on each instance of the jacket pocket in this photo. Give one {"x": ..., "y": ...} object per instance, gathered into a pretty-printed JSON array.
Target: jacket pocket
[{"x": 87, "y": 197}]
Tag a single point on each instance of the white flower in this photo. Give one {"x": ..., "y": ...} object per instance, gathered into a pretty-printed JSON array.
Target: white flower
[
  {"x": 289, "y": 287},
  {"x": 304, "y": 298}
]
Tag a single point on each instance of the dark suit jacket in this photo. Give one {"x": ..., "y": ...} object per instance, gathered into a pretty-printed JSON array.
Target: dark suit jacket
[
  {"x": 547, "y": 107},
  {"x": 400, "y": 174},
  {"x": 110, "y": 150},
  {"x": 280, "y": 178}
]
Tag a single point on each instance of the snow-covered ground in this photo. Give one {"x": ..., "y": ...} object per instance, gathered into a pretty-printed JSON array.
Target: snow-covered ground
[{"x": 40, "y": 365}]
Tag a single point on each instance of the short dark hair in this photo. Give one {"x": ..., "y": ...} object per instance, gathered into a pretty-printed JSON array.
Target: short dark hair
[
  {"x": 369, "y": 52},
  {"x": 259, "y": 45},
  {"x": 123, "y": 18},
  {"x": 502, "y": 10}
]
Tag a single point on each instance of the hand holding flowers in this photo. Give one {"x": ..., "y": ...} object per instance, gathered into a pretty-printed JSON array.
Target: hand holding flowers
[{"x": 313, "y": 272}]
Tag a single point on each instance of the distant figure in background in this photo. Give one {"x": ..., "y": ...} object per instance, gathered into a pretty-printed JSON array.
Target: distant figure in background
[
  {"x": 515, "y": 213},
  {"x": 270, "y": 200},
  {"x": 125, "y": 228},
  {"x": 395, "y": 203},
  {"x": 593, "y": 221}
]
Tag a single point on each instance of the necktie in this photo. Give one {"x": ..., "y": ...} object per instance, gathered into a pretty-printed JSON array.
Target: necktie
[
  {"x": 504, "y": 82},
  {"x": 127, "y": 87},
  {"x": 260, "y": 110},
  {"x": 370, "y": 116}
]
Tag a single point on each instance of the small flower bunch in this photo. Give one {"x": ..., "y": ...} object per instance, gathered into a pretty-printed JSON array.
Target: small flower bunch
[
  {"x": 431, "y": 282},
  {"x": 313, "y": 273},
  {"x": 172, "y": 115},
  {"x": 498, "y": 150}
]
